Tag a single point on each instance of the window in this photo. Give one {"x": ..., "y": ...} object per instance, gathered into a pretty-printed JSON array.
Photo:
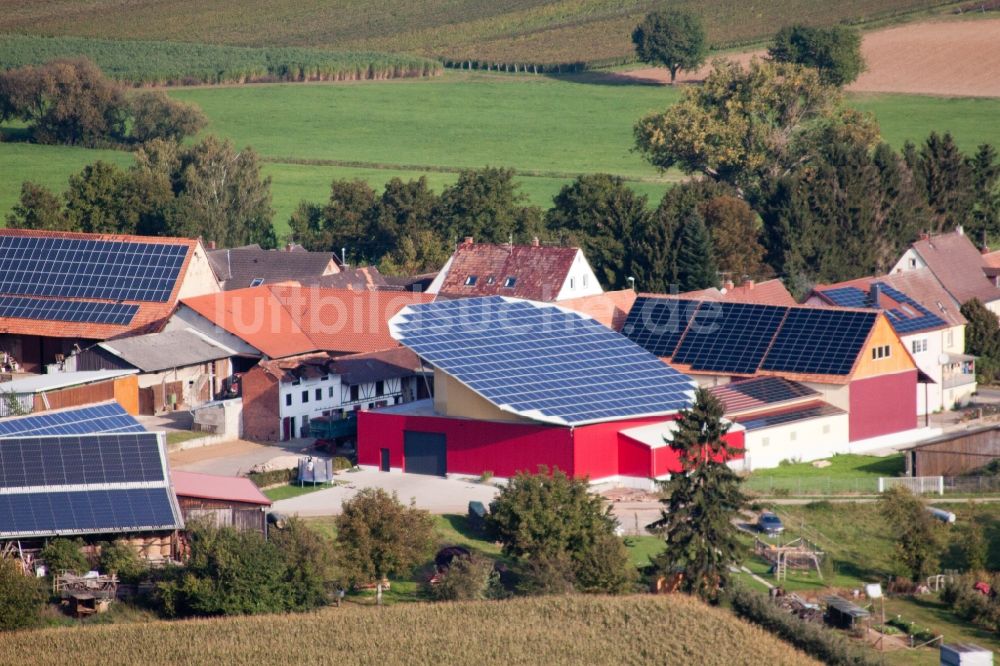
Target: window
[
  {"x": 882, "y": 351},
  {"x": 354, "y": 392},
  {"x": 826, "y": 429},
  {"x": 919, "y": 345},
  {"x": 490, "y": 280},
  {"x": 571, "y": 284},
  {"x": 913, "y": 262},
  {"x": 765, "y": 441},
  {"x": 296, "y": 382},
  {"x": 288, "y": 399},
  {"x": 793, "y": 436},
  {"x": 470, "y": 281},
  {"x": 510, "y": 282},
  {"x": 379, "y": 388},
  {"x": 331, "y": 392},
  {"x": 305, "y": 397},
  {"x": 319, "y": 394},
  {"x": 585, "y": 280},
  {"x": 256, "y": 282},
  {"x": 951, "y": 337},
  {"x": 325, "y": 378}
]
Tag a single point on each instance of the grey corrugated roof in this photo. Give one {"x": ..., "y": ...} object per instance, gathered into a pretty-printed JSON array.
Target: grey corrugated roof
[
  {"x": 163, "y": 351},
  {"x": 238, "y": 267}
]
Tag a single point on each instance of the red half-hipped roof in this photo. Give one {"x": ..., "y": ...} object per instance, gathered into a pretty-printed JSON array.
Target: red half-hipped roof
[
  {"x": 148, "y": 319},
  {"x": 538, "y": 271},
  {"x": 610, "y": 308},
  {"x": 769, "y": 292},
  {"x": 215, "y": 487},
  {"x": 958, "y": 266},
  {"x": 284, "y": 320}
]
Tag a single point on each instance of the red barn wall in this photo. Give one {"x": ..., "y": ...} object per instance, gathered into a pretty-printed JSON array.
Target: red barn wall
[
  {"x": 883, "y": 405},
  {"x": 472, "y": 446}
]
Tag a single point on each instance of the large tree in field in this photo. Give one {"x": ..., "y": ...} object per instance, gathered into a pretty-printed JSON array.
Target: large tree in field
[
  {"x": 742, "y": 124},
  {"x": 378, "y": 537},
  {"x": 701, "y": 502},
  {"x": 671, "y": 38},
  {"x": 834, "y": 51}
]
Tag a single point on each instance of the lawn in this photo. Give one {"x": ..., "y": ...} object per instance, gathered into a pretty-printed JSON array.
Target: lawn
[
  {"x": 549, "y": 129},
  {"x": 181, "y": 436},
  {"x": 847, "y": 473},
  {"x": 928, "y": 612},
  {"x": 294, "y": 490}
]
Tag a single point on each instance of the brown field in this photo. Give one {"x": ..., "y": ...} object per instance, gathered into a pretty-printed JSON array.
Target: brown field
[
  {"x": 948, "y": 58},
  {"x": 553, "y": 630}
]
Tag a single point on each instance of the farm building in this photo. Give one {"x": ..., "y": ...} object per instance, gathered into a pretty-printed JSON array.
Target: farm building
[
  {"x": 62, "y": 291},
  {"x": 928, "y": 322},
  {"x": 282, "y": 396},
  {"x": 97, "y": 486},
  {"x": 282, "y": 320},
  {"x": 536, "y": 272},
  {"x": 223, "y": 501},
  {"x": 103, "y": 417},
  {"x": 252, "y": 266},
  {"x": 176, "y": 369},
  {"x": 960, "y": 268},
  {"x": 851, "y": 358},
  {"x": 782, "y": 420},
  {"x": 954, "y": 453},
  {"x": 518, "y": 384},
  {"x": 41, "y": 393}
]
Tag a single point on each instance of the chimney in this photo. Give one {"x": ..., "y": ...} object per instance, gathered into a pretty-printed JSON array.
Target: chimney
[
  {"x": 959, "y": 230},
  {"x": 924, "y": 236},
  {"x": 288, "y": 247},
  {"x": 468, "y": 240},
  {"x": 534, "y": 242},
  {"x": 727, "y": 286},
  {"x": 875, "y": 294},
  {"x": 211, "y": 245},
  {"x": 749, "y": 284}
]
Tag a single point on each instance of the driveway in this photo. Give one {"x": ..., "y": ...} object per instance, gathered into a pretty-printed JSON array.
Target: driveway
[
  {"x": 237, "y": 457},
  {"x": 432, "y": 493}
]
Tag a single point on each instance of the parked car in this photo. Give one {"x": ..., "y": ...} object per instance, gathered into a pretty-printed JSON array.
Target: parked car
[{"x": 770, "y": 524}]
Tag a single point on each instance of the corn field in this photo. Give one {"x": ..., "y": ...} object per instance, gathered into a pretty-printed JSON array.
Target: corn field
[
  {"x": 546, "y": 630},
  {"x": 177, "y": 63}
]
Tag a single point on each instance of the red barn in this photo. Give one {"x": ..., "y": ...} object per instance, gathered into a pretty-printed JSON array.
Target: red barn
[{"x": 519, "y": 384}]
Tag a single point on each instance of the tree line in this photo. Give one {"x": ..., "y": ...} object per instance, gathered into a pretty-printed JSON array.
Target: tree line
[{"x": 71, "y": 102}]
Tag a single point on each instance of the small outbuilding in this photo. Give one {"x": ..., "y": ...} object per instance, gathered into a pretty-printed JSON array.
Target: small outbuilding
[{"x": 223, "y": 501}]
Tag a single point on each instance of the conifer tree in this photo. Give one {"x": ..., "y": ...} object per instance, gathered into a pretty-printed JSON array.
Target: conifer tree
[
  {"x": 701, "y": 502},
  {"x": 695, "y": 261}
]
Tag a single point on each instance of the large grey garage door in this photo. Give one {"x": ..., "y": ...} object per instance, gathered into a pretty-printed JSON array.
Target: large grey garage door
[{"x": 424, "y": 453}]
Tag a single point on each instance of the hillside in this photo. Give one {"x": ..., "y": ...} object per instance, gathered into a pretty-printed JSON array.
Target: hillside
[
  {"x": 552, "y": 630},
  {"x": 519, "y": 31}
]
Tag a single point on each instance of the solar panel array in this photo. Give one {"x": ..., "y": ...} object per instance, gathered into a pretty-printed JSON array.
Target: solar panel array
[
  {"x": 90, "y": 312},
  {"x": 92, "y": 511},
  {"x": 96, "y": 269},
  {"x": 541, "y": 361},
  {"x": 84, "y": 484},
  {"x": 819, "y": 341},
  {"x": 789, "y": 416},
  {"x": 908, "y": 318},
  {"x": 729, "y": 337},
  {"x": 81, "y": 460},
  {"x": 764, "y": 391},
  {"x": 111, "y": 417},
  {"x": 657, "y": 324},
  {"x": 739, "y": 338}
]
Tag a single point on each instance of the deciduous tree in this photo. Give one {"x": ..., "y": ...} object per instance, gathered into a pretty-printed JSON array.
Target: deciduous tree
[
  {"x": 982, "y": 339},
  {"x": 378, "y": 537},
  {"x": 834, "y": 51},
  {"x": 21, "y": 597},
  {"x": 672, "y": 38},
  {"x": 487, "y": 205},
  {"x": 156, "y": 116},
  {"x": 38, "y": 208},
  {"x": 913, "y": 530},
  {"x": 735, "y": 230},
  {"x": 701, "y": 502}
]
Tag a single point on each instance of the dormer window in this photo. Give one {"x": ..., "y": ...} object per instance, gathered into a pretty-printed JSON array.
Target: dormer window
[
  {"x": 510, "y": 282},
  {"x": 256, "y": 282},
  {"x": 490, "y": 280},
  {"x": 470, "y": 281}
]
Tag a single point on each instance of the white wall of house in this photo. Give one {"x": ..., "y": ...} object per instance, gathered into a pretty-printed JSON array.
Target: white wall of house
[
  {"x": 803, "y": 441},
  {"x": 305, "y": 399},
  {"x": 435, "y": 285},
  {"x": 369, "y": 395},
  {"x": 199, "y": 278},
  {"x": 580, "y": 281},
  {"x": 927, "y": 349},
  {"x": 910, "y": 261}
]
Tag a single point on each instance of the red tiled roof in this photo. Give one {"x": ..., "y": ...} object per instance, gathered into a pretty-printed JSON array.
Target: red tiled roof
[
  {"x": 919, "y": 284},
  {"x": 610, "y": 308},
  {"x": 769, "y": 292},
  {"x": 212, "y": 486},
  {"x": 538, "y": 271},
  {"x": 958, "y": 266},
  {"x": 284, "y": 320},
  {"x": 148, "y": 319},
  {"x": 760, "y": 392},
  {"x": 992, "y": 259}
]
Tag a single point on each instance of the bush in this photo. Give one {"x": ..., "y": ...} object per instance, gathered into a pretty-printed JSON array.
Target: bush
[
  {"x": 310, "y": 562},
  {"x": 156, "y": 116},
  {"x": 468, "y": 579},
  {"x": 121, "y": 559},
  {"x": 21, "y": 597},
  {"x": 971, "y": 605},
  {"x": 341, "y": 463},
  {"x": 64, "y": 555},
  {"x": 547, "y": 574},
  {"x": 274, "y": 477},
  {"x": 813, "y": 639}
]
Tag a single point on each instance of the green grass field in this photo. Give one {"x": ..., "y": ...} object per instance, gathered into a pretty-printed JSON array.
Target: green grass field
[
  {"x": 517, "y": 31},
  {"x": 549, "y": 129}
]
